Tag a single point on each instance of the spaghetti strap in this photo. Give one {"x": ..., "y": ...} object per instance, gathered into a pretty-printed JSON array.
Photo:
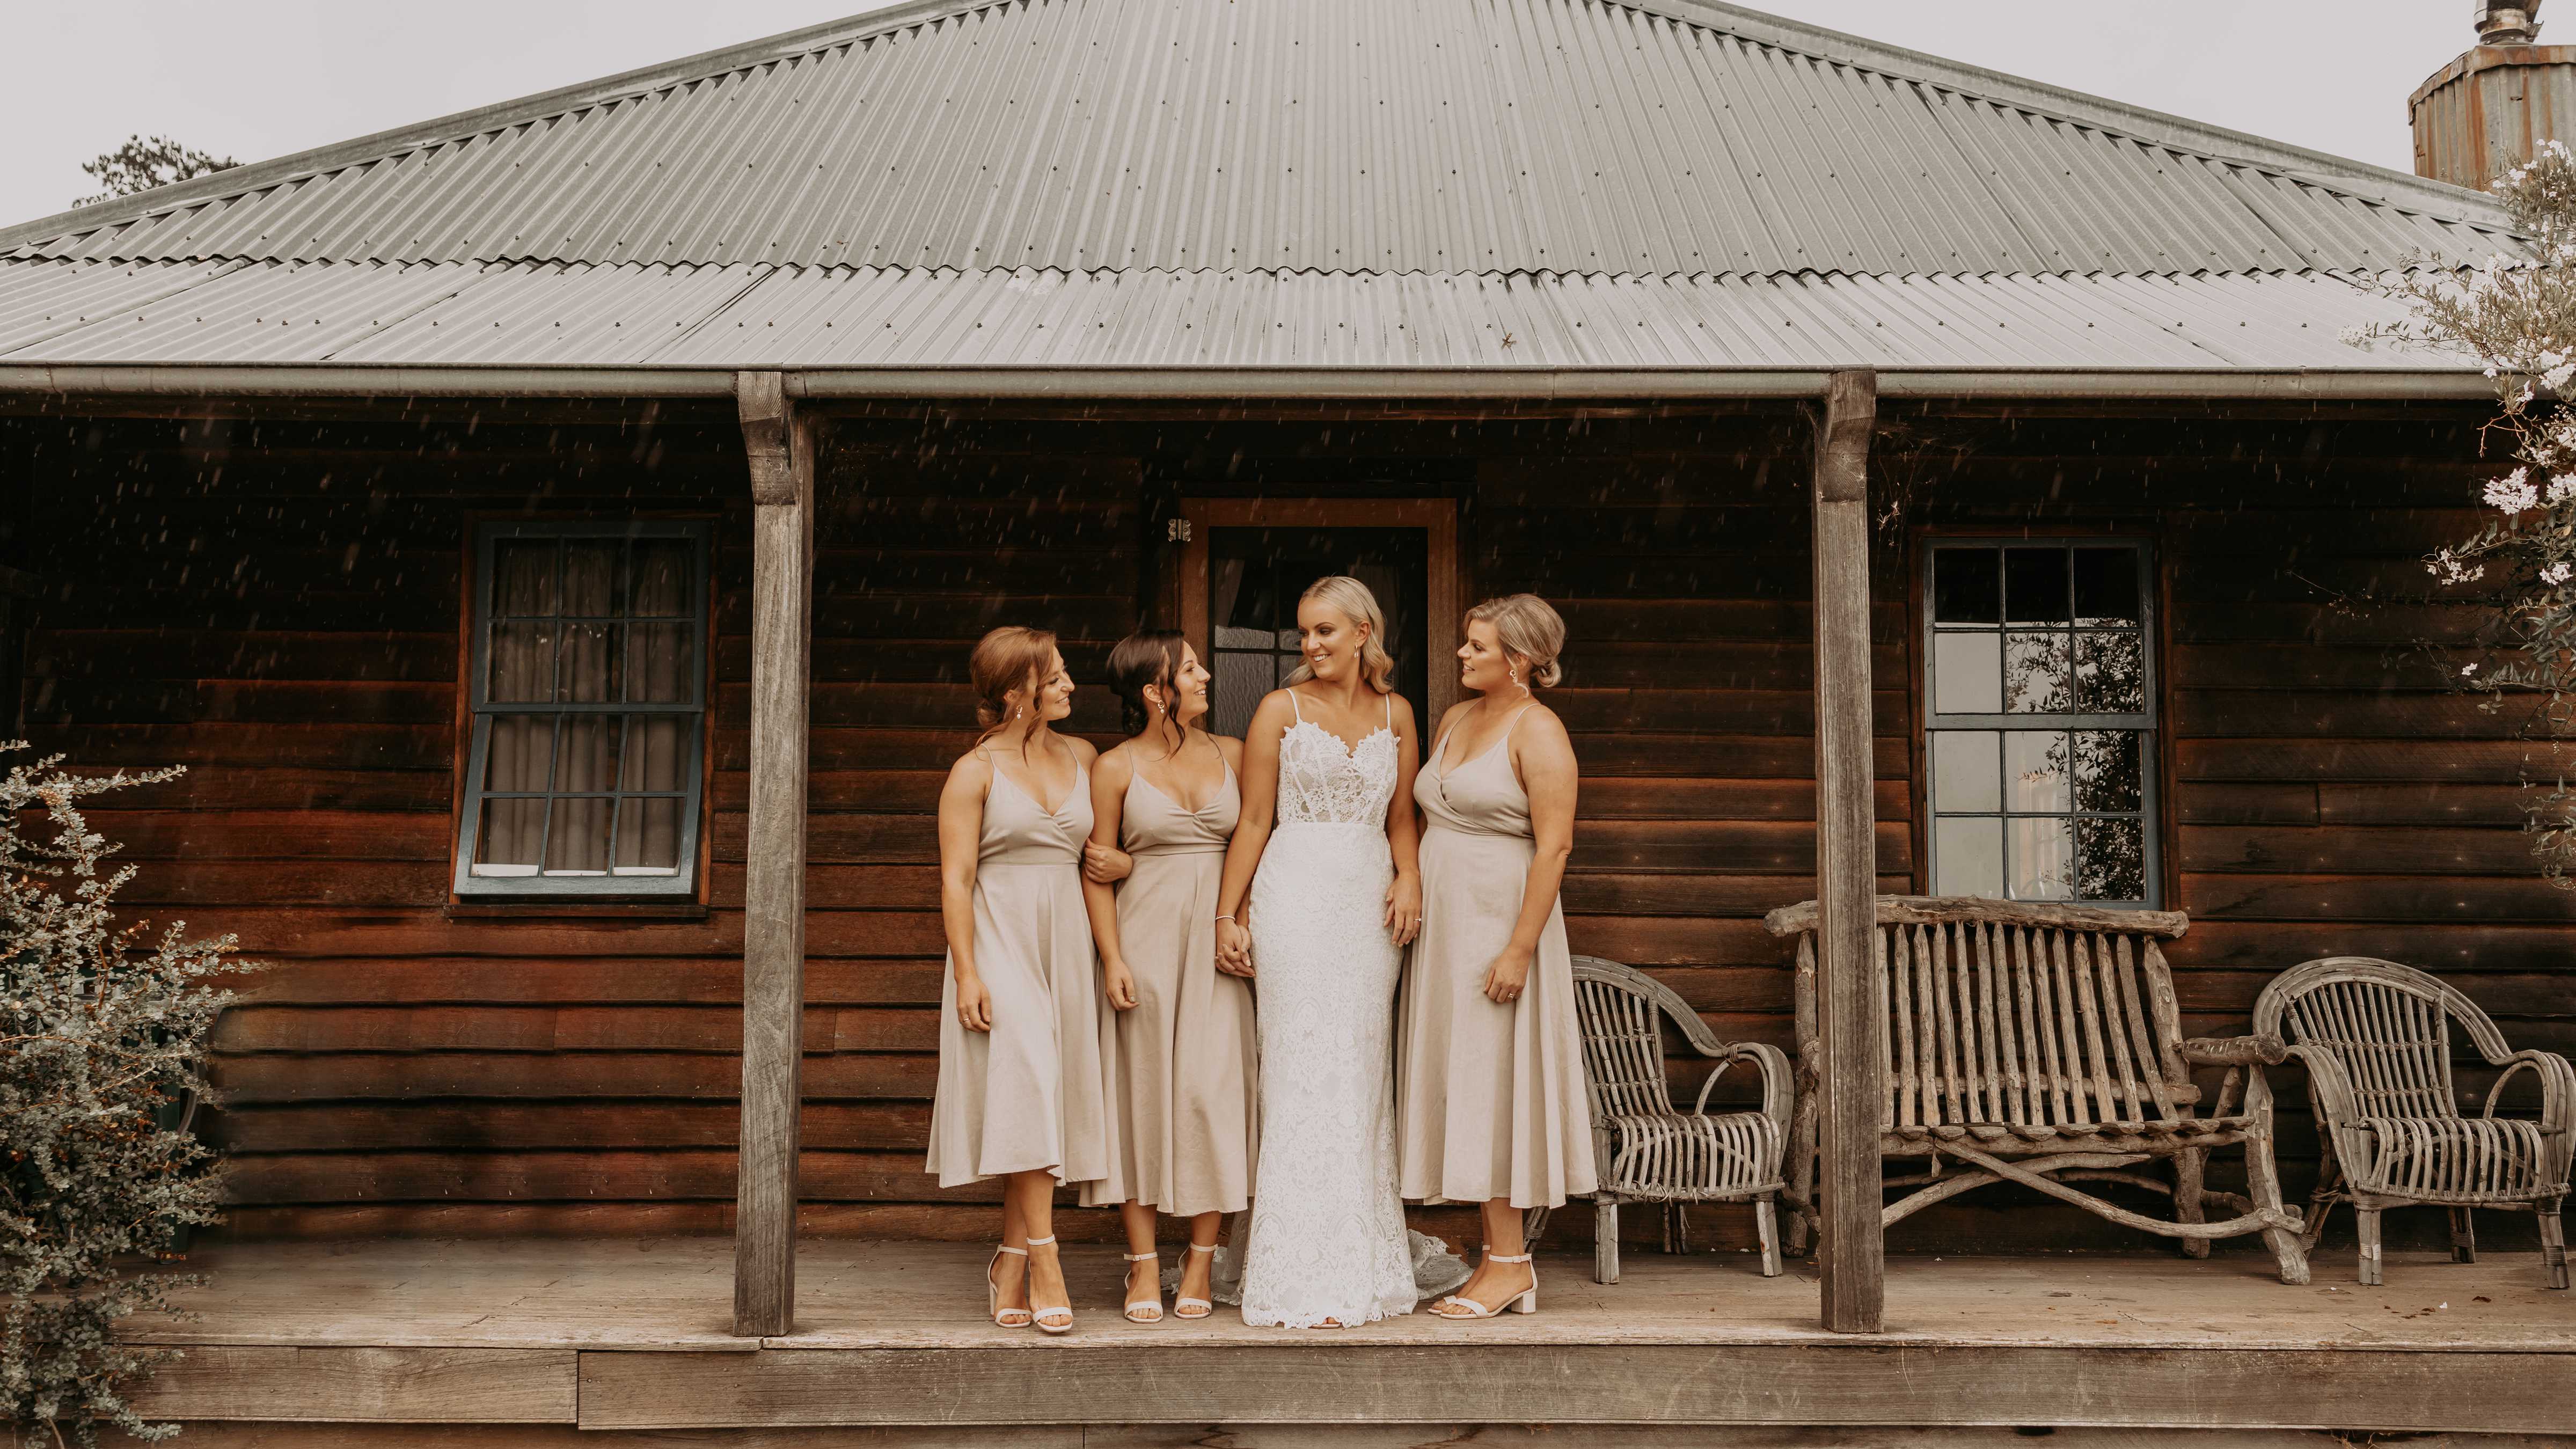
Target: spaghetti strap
[
  {"x": 1390, "y": 710},
  {"x": 1293, "y": 707}
]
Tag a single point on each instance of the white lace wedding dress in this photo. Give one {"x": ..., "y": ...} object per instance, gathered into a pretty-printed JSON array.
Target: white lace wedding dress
[{"x": 1328, "y": 1237}]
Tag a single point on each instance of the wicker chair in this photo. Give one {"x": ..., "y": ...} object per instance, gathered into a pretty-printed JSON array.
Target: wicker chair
[
  {"x": 2375, "y": 1037},
  {"x": 1646, "y": 1150},
  {"x": 2041, "y": 1044}
]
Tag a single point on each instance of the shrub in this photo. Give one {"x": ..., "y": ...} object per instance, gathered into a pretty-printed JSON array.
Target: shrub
[{"x": 101, "y": 1029}]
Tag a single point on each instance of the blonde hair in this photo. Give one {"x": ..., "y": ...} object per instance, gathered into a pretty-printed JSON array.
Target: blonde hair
[
  {"x": 1528, "y": 627},
  {"x": 1360, "y": 606},
  {"x": 1011, "y": 657}
]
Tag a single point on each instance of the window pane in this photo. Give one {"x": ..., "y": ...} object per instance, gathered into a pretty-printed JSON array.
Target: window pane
[
  {"x": 1967, "y": 674},
  {"x": 658, "y": 663},
  {"x": 586, "y": 671},
  {"x": 523, "y": 576},
  {"x": 577, "y": 840},
  {"x": 1241, "y": 681},
  {"x": 505, "y": 844},
  {"x": 2106, "y": 587},
  {"x": 2035, "y": 586},
  {"x": 1967, "y": 771},
  {"x": 648, "y": 837},
  {"x": 590, "y": 577},
  {"x": 662, "y": 568},
  {"x": 2035, "y": 771},
  {"x": 587, "y": 757},
  {"x": 1968, "y": 857},
  {"x": 655, "y": 758},
  {"x": 1967, "y": 586},
  {"x": 2114, "y": 852},
  {"x": 2110, "y": 673},
  {"x": 2043, "y": 860},
  {"x": 2107, "y": 770},
  {"x": 522, "y": 663},
  {"x": 519, "y": 753},
  {"x": 2035, "y": 674}
]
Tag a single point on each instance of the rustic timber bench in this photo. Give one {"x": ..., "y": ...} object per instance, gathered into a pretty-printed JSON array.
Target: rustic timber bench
[{"x": 2039, "y": 1044}]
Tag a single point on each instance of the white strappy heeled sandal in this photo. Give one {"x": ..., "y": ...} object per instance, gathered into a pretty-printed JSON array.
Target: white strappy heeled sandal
[
  {"x": 1047, "y": 1320},
  {"x": 1137, "y": 1309},
  {"x": 1526, "y": 1300},
  {"x": 993, "y": 1291},
  {"x": 1181, "y": 1306}
]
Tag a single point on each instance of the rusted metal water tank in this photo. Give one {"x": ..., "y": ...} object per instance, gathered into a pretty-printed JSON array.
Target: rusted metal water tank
[{"x": 2481, "y": 115}]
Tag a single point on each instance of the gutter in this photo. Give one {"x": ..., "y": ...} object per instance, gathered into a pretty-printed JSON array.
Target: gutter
[{"x": 1110, "y": 384}]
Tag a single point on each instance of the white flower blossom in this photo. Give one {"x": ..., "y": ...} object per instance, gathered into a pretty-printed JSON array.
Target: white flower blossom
[
  {"x": 2557, "y": 573},
  {"x": 2467, "y": 669},
  {"x": 2514, "y": 492}
]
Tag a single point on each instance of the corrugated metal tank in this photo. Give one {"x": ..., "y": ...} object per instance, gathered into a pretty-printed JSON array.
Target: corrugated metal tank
[{"x": 2481, "y": 115}]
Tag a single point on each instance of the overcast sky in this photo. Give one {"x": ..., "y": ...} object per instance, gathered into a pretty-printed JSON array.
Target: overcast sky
[{"x": 260, "y": 78}]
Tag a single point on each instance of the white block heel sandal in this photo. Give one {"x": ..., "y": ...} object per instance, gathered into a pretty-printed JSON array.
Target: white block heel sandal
[
  {"x": 1181, "y": 1306},
  {"x": 1463, "y": 1308},
  {"x": 1004, "y": 1317},
  {"x": 1048, "y": 1320},
  {"x": 1146, "y": 1310}
]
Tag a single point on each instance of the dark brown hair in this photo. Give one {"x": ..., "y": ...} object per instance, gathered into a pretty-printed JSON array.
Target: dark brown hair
[
  {"x": 1146, "y": 657},
  {"x": 1009, "y": 658}
]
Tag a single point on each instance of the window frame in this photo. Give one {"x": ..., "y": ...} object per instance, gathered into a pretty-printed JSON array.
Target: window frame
[
  {"x": 680, "y": 886},
  {"x": 2152, "y": 723}
]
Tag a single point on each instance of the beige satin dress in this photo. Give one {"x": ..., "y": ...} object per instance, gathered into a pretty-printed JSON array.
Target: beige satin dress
[
  {"x": 1027, "y": 1094},
  {"x": 1490, "y": 1097},
  {"x": 1181, "y": 1064}
]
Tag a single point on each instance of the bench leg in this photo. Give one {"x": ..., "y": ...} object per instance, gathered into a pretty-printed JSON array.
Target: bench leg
[
  {"x": 1605, "y": 1239},
  {"x": 2553, "y": 1245},
  {"x": 2190, "y": 1171},
  {"x": 1766, "y": 1223},
  {"x": 2367, "y": 1220},
  {"x": 2464, "y": 1237},
  {"x": 2263, "y": 1179},
  {"x": 1676, "y": 1228},
  {"x": 1802, "y": 1173}
]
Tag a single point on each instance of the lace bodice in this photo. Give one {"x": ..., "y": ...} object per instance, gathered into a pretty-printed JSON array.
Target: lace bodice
[{"x": 1324, "y": 782}]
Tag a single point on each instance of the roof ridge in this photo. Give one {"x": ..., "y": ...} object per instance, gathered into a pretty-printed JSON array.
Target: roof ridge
[
  {"x": 500, "y": 115},
  {"x": 2135, "y": 122}
]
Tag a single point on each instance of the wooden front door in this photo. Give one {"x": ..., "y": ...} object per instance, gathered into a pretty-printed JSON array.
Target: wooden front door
[{"x": 1248, "y": 559}]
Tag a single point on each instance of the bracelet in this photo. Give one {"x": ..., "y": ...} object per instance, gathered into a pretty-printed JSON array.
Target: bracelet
[{"x": 1225, "y": 918}]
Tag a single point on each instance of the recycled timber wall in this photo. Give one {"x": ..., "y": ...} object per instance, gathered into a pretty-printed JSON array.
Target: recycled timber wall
[{"x": 277, "y": 604}]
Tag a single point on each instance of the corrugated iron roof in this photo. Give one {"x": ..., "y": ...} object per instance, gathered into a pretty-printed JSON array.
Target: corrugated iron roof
[
  {"x": 758, "y": 316},
  {"x": 1664, "y": 138}
]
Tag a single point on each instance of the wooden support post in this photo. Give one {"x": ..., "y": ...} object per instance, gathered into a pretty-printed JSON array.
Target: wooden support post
[
  {"x": 1853, "y": 1250},
  {"x": 780, "y": 449}
]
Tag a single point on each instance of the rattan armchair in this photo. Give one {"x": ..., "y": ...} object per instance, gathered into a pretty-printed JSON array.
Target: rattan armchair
[
  {"x": 1645, "y": 1149},
  {"x": 2375, "y": 1038}
]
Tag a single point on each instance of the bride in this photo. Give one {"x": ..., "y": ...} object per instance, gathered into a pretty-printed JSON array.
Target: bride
[{"x": 1336, "y": 897}]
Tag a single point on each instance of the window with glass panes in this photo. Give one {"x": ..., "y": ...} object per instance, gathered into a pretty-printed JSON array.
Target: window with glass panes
[
  {"x": 589, "y": 696},
  {"x": 2040, "y": 720}
]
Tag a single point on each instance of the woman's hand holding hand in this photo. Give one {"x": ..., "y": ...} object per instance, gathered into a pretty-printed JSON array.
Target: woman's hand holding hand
[
  {"x": 1507, "y": 975},
  {"x": 1404, "y": 908},
  {"x": 1233, "y": 948},
  {"x": 1105, "y": 864},
  {"x": 974, "y": 1004},
  {"x": 1120, "y": 984}
]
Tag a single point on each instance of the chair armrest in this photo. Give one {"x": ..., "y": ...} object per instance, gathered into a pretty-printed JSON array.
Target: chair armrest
[
  {"x": 2557, "y": 1086},
  {"x": 2262, "y": 1049},
  {"x": 1776, "y": 1080}
]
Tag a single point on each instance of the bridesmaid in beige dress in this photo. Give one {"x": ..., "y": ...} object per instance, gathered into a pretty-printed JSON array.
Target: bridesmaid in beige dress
[
  {"x": 1020, "y": 1087},
  {"x": 1490, "y": 1102},
  {"x": 1179, "y": 1050}
]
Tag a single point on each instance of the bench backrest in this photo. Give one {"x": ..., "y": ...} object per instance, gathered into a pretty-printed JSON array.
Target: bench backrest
[{"x": 2016, "y": 1012}]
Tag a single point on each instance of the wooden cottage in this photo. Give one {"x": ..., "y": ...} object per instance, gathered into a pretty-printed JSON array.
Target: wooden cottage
[{"x": 552, "y": 536}]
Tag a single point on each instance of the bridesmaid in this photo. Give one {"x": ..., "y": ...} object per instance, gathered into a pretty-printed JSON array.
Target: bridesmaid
[
  {"x": 1019, "y": 1094},
  {"x": 1491, "y": 1104},
  {"x": 1180, "y": 1049}
]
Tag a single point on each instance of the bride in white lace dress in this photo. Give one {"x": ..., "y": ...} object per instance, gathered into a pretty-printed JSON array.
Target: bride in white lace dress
[{"x": 1334, "y": 896}]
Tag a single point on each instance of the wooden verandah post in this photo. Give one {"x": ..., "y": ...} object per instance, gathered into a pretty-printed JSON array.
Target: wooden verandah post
[
  {"x": 1853, "y": 1249},
  {"x": 780, "y": 448}
]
